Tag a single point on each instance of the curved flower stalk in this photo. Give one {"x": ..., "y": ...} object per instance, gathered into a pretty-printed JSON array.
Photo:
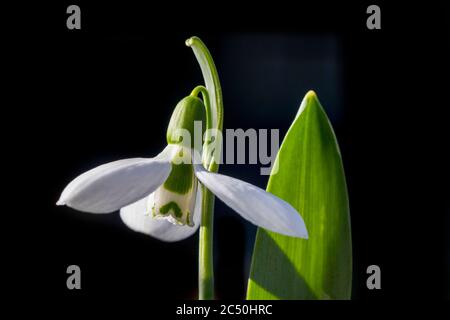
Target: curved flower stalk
[{"x": 171, "y": 195}]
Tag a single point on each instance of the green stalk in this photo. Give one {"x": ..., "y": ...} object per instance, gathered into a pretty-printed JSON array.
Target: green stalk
[
  {"x": 205, "y": 256},
  {"x": 212, "y": 96}
]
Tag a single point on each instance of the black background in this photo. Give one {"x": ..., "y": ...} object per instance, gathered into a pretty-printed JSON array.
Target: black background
[{"x": 105, "y": 92}]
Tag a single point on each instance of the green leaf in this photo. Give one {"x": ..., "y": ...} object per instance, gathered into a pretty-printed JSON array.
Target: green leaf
[{"x": 311, "y": 178}]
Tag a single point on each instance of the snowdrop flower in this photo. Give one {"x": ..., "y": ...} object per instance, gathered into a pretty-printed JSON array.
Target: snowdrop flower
[{"x": 160, "y": 196}]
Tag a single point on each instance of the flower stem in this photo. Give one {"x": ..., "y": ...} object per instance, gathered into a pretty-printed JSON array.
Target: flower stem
[
  {"x": 212, "y": 96},
  {"x": 205, "y": 257}
]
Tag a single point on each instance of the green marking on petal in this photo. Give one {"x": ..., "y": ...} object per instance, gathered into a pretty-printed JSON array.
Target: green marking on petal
[
  {"x": 175, "y": 200},
  {"x": 180, "y": 179},
  {"x": 154, "y": 211},
  {"x": 188, "y": 220},
  {"x": 165, "y": 209}
]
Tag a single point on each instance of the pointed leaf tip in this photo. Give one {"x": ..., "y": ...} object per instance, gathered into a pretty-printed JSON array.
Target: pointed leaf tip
[{"x": 311, "y": 95}]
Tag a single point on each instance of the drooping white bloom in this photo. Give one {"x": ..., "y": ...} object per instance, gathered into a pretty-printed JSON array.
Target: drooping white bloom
[{"x": 160, "y": 196}]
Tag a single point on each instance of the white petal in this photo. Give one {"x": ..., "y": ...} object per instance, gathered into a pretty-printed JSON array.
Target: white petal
[
  {"x": 137, "y": 218},
  {"x": 114, "y": 185},
  {"x": 254, "y": 204}
]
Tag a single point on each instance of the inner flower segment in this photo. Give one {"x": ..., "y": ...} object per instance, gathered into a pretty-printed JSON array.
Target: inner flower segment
[{"x": 175, "y": 199}]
